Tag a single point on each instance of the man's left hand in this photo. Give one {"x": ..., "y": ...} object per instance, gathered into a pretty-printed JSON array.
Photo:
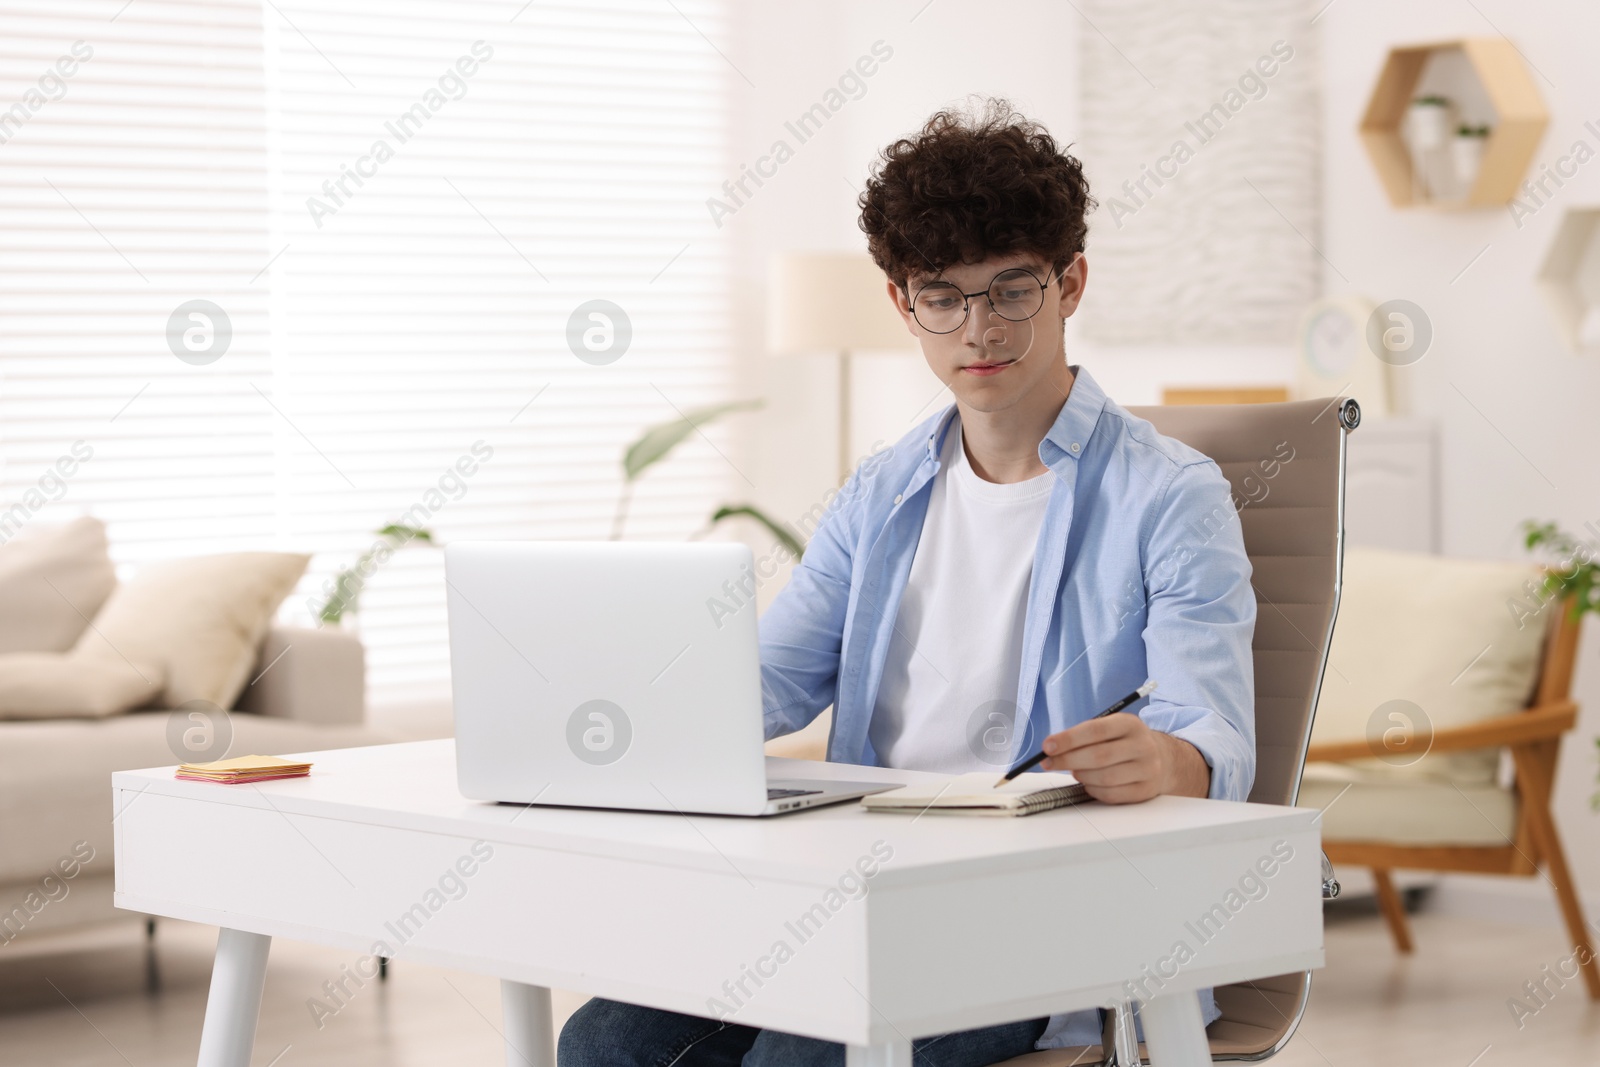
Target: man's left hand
[{"x": 1122, "y": 761}]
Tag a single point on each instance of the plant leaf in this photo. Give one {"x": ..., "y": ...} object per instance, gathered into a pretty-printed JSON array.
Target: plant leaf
[
  {"x": 403, "y": 533},
  {"x": 348, "y": 583},
  {"x": 750, "y": 511},
  {"x": 1574, "y": 570},
  {"x": 346, "y": 594},
  {"x": 654, "y": 444}
]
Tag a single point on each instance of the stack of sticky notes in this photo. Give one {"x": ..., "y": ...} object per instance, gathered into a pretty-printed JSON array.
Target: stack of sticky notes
[{"x": 243, "y": 769}]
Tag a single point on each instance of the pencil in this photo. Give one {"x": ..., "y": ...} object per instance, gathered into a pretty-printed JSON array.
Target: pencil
[{"x": 1039, "y": 757}]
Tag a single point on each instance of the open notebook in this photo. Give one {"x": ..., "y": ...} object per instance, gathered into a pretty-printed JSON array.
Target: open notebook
[{"x": 975, "y": 794}]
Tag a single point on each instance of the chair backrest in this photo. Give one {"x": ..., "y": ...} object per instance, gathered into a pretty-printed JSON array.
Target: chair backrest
[{"x": 1286, "y": 463}]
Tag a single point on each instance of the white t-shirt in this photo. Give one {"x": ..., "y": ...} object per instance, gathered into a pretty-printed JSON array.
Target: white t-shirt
[{"x": 947, "y": 699}]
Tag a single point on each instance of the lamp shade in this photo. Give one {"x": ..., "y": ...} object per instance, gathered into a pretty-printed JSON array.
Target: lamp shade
[{"x": 830, "y": 302}]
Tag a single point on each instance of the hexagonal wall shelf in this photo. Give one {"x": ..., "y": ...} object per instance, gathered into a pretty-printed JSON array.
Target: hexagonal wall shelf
[
  {"x": 1570, "y": 278},
  {"x": 1487, "y": 85}
]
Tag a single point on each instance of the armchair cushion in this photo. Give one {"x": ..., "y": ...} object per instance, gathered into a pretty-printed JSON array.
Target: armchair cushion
[
  {"x": 1439, "y": 633},
  {"x": 1418, "y": 812}
]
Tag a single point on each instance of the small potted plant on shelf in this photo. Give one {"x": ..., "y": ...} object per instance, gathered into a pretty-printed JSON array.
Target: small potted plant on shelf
[
  {"x": 1429, "y": 119},
  {"x": 1466, "y": 151}
]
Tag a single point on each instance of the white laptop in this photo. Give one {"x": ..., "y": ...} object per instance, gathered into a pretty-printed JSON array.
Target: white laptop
[{"x": 604, "y": 674}]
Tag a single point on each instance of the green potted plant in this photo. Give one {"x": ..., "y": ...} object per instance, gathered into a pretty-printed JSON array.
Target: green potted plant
[
  {"x": 343, "y": 601},
  {"x": 1429, "y": 119},
  {"x": 1573, "y": 567},
  {"x": 1573, "y": 572},
  {"x": 1466, "y": 152},
  {"x": 657, "y": 442}
]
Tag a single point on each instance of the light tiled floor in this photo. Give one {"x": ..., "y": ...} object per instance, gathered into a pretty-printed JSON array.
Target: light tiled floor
[{"x": 103, "y": 998}]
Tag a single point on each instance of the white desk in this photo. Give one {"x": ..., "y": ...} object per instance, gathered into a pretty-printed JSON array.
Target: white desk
[{"x": 968, "y": 922}]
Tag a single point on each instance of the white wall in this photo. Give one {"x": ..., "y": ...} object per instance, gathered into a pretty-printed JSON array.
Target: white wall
[{"x": 1515, "y": 410}]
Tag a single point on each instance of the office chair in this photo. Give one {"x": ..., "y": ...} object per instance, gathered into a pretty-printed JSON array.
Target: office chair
[{"x": 1292, "y": 514}]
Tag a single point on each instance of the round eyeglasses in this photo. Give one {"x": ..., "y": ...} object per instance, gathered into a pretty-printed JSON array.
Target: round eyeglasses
[{"x": 1015, "y": 295}]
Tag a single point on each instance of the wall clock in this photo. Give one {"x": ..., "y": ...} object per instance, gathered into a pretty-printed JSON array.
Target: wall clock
[{"x": 1333, "y": 357}]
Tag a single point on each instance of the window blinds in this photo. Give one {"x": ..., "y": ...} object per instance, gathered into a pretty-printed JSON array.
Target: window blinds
[{"x": 402, "y": 212}]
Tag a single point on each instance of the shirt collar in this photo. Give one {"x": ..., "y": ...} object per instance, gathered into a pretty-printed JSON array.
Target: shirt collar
[
  {"x": 1067, "y": 438},
  {"x": 1069, "y": 435}
]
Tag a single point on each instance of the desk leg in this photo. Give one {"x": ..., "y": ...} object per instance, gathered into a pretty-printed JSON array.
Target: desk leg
[
  {"x": 895, "y": 1052},
  {"x": 1174, "y": 1032},
  {"x": 525, "y": 1014},
  {"x": 237, "y": 975}
]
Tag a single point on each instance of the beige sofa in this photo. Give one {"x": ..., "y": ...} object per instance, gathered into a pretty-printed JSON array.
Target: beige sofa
[
  {"x": 55, "y": 774},
  {"x": 304, "y": 691}
]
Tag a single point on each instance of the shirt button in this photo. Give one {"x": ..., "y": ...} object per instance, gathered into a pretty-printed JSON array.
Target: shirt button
[
  {"x": 1074, "y": 447},
  {"x": 898, "y": 497}
]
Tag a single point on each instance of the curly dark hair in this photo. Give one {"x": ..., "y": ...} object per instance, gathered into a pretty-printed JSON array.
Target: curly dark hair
[{"x": 970, "y": 186}]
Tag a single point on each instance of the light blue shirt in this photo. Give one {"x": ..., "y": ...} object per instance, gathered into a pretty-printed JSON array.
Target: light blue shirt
[{"x": 1139, "y": 572}]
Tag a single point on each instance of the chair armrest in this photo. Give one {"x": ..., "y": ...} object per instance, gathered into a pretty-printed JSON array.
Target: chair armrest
[
  {"x": 1542, "y": 723},
  {"x": 314, "y": 676}
]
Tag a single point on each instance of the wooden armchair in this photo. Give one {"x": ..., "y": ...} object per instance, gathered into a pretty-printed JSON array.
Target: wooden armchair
[{"x": 1533, "y": 737}]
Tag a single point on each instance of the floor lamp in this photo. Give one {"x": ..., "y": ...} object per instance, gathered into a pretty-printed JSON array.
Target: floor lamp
[{"x": 831, "y": 302}]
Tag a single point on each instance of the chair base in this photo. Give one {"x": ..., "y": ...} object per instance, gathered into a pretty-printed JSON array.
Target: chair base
[{"x": 1258, "y": 1019}]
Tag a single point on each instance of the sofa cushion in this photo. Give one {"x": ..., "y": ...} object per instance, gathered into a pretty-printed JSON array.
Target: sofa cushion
[
  {"x": 201, "y": 618},
  {"x": 1438, "y": 633},
  {"x": 1420, "y": 812},
  {"x": 55, "y": 776},
  {"x": 48, "y": 685},
  {"x": 52, "y": 582}
]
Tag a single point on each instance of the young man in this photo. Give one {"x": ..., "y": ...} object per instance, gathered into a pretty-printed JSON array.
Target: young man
[{"x": 1016, "y": 563}]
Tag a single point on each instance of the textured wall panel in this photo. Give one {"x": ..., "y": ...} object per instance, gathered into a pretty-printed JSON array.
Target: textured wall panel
[{"x": 1200, "y": 135}]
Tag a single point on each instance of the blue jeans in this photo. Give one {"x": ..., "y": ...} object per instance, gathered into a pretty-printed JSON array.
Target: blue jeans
[{"x": 604, "y": 1033}]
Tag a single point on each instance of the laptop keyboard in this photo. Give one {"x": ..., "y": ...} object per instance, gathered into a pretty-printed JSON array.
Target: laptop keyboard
[{"x": 779, "y": 794}]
